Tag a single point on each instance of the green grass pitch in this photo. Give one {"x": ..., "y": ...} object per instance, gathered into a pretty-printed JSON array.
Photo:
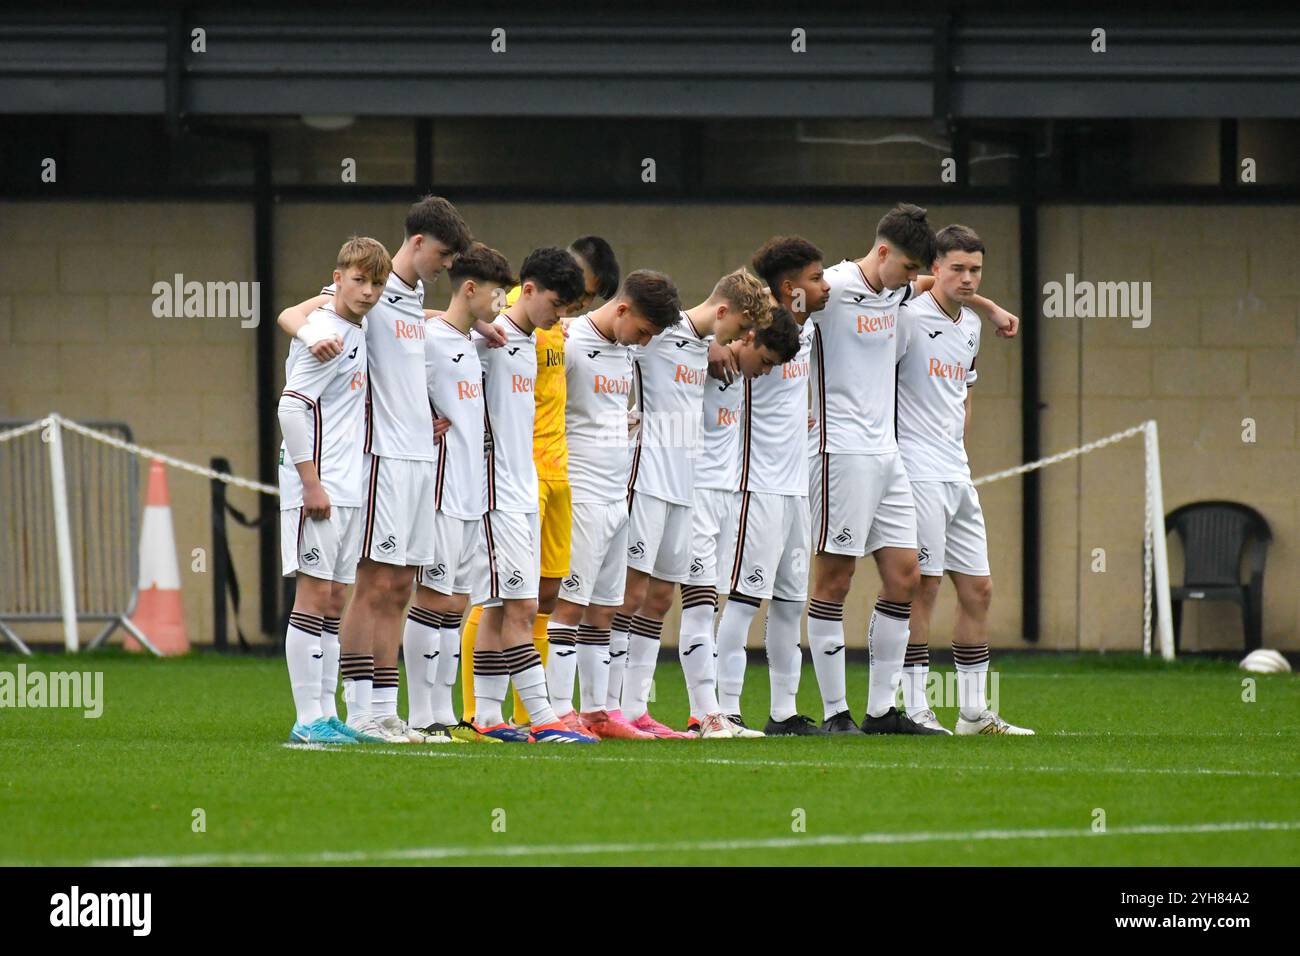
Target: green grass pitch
[{"x": 1185, "y": 771}]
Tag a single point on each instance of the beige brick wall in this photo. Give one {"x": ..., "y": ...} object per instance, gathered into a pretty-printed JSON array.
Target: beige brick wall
[
  {"x": 78, "y": 336},
  {"x": 1221, "y": 347}
]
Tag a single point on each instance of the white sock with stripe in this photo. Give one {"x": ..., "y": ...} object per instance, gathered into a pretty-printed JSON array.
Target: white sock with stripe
[
  {"x": 826, "y": 643},
  {"x": 491, "y": 681},
  {"x": 695, "y": 650},
  {"x": 561, "y": 665},
  {"x": 329, "y": 668},
  {"x": 526, "y": 673},
  {"x": 972, "y": 663},
  {"x": 593, "y": 667},
  {"x": 643, "y": 654},
  {"x": 916, "y": 674},
  {"x": 302, "y": 651},
  {"x": 444, "y": 708},
  {"x": 420, "y": 648},
  {"x": 887, "y": 645}
]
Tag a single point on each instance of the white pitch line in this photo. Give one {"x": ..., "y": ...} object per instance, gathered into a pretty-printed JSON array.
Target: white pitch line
[
  {"x": 686, "y": 846},
  {"x": 450, "y": 750}
]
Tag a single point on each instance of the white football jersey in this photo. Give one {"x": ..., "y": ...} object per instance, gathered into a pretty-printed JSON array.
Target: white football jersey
[
  {"x": 400, "y": 423},
  {"x": 335, "y": 393},
  {"x": 936, "y": 365},
  {"x": 455, "y": 382},
  {"x": 668, "y": 385},
  {"x": 718, "y": 464},
  {"x": 773, "y": 446},
  {"x": 598, "y": 377},
  {"x": 510, "y": 378},
  {"x": 853, "y": 360}
]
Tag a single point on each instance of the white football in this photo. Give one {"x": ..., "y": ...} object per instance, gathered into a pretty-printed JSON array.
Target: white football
[{"x": 1265, "y": 661}]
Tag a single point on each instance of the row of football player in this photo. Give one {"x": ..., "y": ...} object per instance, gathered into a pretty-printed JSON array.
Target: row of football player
[{"x": 641, "y": 524}]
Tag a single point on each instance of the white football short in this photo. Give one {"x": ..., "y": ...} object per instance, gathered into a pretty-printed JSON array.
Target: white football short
[
  {"x": 860, "y": 503},
  {"x": 950, "y": 528},
  {"x": 713, "y": 537},
  {"x": 325, "y": 548},
  {"x": 598, "y": 554},
  {"x": 659, "y": 538},
  {"x": 455, "y": 542},
  {"x": 508, "y": 557},
  {"x": 399, "y": 521},
  {"x": 772, "y": 545}
]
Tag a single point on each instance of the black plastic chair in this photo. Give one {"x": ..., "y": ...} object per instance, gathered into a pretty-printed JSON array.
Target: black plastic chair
[{"x": 1214, "y": 536}]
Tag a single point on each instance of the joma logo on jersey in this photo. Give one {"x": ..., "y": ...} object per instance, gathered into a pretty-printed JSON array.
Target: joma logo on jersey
[
  {"x": 795, "y": 369},
  {"x": 727, "y": 417},
  {"x": 875, "y": 323},
  {"x": 408, "y": 330},
  {"x": 521, "y": 383},
  {"x": 358, "y": 381},
  {"x": 947, "y": 370},
  {"x": 604, "y": 385},
  {"x": 466, "y": 389},
  {"x": 691, "y": 376}
]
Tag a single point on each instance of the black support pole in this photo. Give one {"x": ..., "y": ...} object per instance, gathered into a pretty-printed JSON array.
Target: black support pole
[
  {"x": 267, "y": 428},
  {"x": 1030, "y": 399},
  {"x": 219, "y": 557}
]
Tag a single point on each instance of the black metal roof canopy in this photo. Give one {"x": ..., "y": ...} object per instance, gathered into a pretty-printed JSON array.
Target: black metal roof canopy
[{"x": 699, "y": 61}]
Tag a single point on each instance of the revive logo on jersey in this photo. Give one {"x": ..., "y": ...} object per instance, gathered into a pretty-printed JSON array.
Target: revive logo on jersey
[
  {"x": 939, "y": 369},
  {"x": 358, "y": 381},
  {"x": 408, "y": 330},
  {"x": 875, "y": 323},
  {"x": 521, "y": 383},
  {"x": 603, "y": 385},
  {"x": 795, "y": 368},
  {"x": 466, "y": 389},
  {"x": 727, "y": 417},
  {"x": 554, "y": 357},
  {"x": 688, "y": 375}
]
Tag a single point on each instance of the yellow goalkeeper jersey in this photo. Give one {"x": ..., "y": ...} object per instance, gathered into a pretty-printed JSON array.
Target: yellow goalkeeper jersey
[{"x": 550, "y": 450}]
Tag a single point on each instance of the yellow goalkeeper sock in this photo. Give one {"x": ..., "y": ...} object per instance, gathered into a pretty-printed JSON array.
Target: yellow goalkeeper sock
[{"x": 467, "y": 664}]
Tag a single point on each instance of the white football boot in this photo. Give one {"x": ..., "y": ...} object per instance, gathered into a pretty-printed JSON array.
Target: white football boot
[
  {"x": 990, "y": 723},
  {"x": 715, "y": 727},
  {"x": 741, "y": 729}
]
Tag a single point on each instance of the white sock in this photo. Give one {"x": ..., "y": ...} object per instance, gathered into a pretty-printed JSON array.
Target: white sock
[
  {"x": 383, "y": 699},
  {"x": 916, "y": 674},
  {"x": 444, "y": 710},
  {"x": 696, "y": 649},
  {"x": 826, "y": 643},
  {"x": 972, "y": 662},
  {"x": 302, "y": 652},
  {"x": 530, "y": 681},
  {"x": 784, "y": 656},
  {"x": 618, "y": 645},
  {"x": 358, "y": 684},
  {"x": 593, "y": 667},
  {"x": 887, "y": 644},
  {"x": 491, "y": 681},
  {"x": 733, "y": 632},
  {"x": 329, "y": 668},
  {"x": 421, "y": 647},
  {"x": 643, "y": 654},
  {"x": 561, "y": 665}
]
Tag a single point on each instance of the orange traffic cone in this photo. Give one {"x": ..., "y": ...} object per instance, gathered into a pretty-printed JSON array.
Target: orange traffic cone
[{"x": 158, "y": 610}]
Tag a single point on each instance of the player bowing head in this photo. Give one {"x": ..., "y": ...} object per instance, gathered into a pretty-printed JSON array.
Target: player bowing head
[
  {"x": 550, "y": 280},
  {"x": 904, "y": 245},
  {"x": 435, "y": 235},
  {"x": 645, "y": 306}
]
